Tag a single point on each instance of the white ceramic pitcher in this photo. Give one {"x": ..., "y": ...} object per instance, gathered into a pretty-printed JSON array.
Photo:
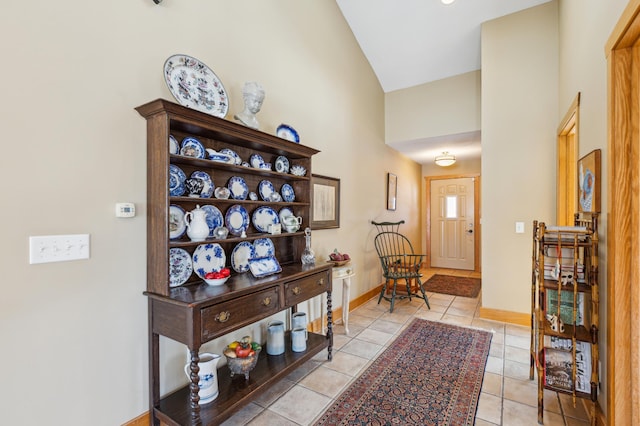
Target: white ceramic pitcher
[
  {"x": 208, "y": 377},
  {"x": 197, "y": 228},
  {"x": 275, "y": 338}
]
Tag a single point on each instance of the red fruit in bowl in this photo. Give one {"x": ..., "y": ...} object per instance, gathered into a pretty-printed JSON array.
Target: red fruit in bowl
[
  {"x": 336, "y": 257},
  {"x": 345, "y": 256},
  {"x": 216, "y": 275}
]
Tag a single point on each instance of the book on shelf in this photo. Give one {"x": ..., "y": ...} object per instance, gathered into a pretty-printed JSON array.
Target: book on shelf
[
  {"x": 566, "y": 306},
  {"x": 557, "y": 369},
  {"x": 558, "y": 362}
]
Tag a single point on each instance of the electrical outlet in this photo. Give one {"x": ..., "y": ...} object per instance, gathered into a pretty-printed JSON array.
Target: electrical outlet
[{"x": 58, "y": 248}]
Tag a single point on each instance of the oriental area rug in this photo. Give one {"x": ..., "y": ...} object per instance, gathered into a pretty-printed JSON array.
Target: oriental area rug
[
  {"x": 457, "y": 286},
  {"x": 430, "y": 375}
]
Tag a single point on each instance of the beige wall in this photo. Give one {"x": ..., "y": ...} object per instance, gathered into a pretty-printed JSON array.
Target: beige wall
[
  {"x": 74, "y": 334},
  {"x": 444, "y": 107},
  {"x": 585, "y": 26},
  {"x": 519, "y": 119}
]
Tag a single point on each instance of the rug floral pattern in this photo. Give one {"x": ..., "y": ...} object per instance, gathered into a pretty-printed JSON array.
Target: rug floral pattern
[{"x": 430, "y": 375}]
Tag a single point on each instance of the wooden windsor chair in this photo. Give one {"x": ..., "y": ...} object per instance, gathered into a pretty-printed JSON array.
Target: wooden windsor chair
[{"x": 400, "y": 264}]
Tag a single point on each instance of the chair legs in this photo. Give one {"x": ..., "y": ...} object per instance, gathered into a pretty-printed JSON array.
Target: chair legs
[
  {"x": 384, "y": 289},
  {"x": 424, "y": 295},
  {"x": 392, "y": 298}
]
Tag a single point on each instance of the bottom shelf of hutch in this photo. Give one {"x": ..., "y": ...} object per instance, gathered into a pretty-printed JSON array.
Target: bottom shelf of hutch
[{"x": 175, "y": 410}]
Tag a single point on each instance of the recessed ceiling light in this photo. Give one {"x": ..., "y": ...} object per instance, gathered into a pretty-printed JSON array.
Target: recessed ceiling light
[{"x": 447, "y": 1}]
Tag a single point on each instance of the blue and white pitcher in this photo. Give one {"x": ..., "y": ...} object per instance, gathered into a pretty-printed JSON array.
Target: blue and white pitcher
[{"x": 208, "y": 377}]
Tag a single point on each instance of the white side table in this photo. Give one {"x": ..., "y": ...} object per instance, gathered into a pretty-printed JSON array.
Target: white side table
[{"x": 345, "y": 273}]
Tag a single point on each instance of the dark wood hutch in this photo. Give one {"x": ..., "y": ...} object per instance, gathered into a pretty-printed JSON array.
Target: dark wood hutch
[{"x": 195, "y": 313}]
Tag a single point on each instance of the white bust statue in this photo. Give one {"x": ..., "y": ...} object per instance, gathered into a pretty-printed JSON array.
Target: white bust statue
[{"x": 253, "y": 95}]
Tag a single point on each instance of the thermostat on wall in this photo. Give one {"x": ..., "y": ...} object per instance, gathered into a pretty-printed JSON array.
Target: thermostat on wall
[{"x": 125, "y": 210}]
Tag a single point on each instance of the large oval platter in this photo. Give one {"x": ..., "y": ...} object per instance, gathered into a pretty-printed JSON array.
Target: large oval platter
[{"x": 194, "y": 85}]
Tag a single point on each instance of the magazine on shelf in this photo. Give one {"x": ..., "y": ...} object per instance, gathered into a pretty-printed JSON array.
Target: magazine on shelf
[
  {"x": 566, "y": 233},
  {"x": 558, "y": 363},
  {"x": 559, "y": 263},
  {"x": 566, "y": 306}
]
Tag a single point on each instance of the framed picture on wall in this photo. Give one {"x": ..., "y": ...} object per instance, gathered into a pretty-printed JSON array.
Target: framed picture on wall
[
  {"x": 589, "y": 182},
  {"x": 392, "y": 191},
  {"x": 325, "y": 202}
]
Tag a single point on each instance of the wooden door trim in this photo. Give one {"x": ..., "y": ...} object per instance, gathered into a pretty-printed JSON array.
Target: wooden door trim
[
  {"x": 566, "y": 167},
  {"x": 476, "y": 212},
  {"x": 623, "y": 222}
]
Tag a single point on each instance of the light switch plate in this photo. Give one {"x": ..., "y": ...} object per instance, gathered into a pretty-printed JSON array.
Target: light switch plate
[
  {"x": 519, "y": 227},
  {"x": 58, "y": 248}
]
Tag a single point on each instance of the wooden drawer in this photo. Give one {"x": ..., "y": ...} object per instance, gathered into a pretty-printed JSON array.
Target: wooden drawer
[
  {"x": 306, "y": 288},
  {"x": 223, "y": 317}
]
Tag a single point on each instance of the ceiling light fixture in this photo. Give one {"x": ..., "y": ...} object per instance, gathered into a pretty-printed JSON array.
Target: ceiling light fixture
[
  {"x": 445, "y": 159},
  {"x": 447, "y": 1}
]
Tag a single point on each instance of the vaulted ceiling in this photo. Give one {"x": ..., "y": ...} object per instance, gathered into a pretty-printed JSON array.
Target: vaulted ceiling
[{"x": 412, "y": 42}]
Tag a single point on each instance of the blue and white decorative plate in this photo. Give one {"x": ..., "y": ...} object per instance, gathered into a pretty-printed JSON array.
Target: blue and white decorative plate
[
  {"x": 238, "y": 187},
  {"x": 298, "y": 170},
  {"x": 191, "y": 147},
  {"x": 264, "y": 247},
  {"x": 174, "y": 146},
  {"x": 284, "y": 212},
  {"x": 263, "y": 266},
  {"x": 207, "y": 190},
  {"x": 237, "y": 220},
  {"x": 265, "y": 188},
  {"x": 256, "y": 161},
  {"x": 177, "y": 225},
  {"x": 214, "y": 218},
  {"x": 207, "y": 258},
  {"x": 287, "y": 193},
  {"x": 282, "y": 164},
  {"x": 195, "y": 86},
  {"x": 180, "y": 267},
  {"x": 231, "y": 153},
  {"x": 176, "y": 181},
  {"x": 264, "y": 216},
  {"x": 287, "y": 132},
  {"x": 220, "y": 157},
  {"x": 240, "y": 256}
]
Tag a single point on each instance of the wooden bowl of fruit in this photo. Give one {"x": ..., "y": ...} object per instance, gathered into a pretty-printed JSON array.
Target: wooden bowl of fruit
[{"x": 339, "y": 259}]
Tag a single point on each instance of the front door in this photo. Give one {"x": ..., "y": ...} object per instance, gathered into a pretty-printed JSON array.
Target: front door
[{"x": 452, "y": 223}]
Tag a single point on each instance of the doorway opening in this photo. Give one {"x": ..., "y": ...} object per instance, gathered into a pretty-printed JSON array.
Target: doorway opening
[
  {"x": 566, "y": 203},
  {"x": 453, "y": 222}
]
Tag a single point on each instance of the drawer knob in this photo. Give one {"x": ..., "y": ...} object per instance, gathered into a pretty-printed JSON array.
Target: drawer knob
[
  {"x": 223, "y": 316},
  {"x": 321, "y": 281},
  {"x": 296, "y": 290},
  {"x": 266, "y": 301}
]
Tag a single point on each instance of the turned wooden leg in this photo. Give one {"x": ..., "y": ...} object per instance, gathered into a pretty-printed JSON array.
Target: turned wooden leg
[
  {"x": 193, "y": 386},
  {"x": 329, "y": 326}
]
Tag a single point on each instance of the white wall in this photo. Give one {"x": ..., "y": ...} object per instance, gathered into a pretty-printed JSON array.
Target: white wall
[
  {"x": 519, "y": 120},
  {"x": 74, "y": 334}
]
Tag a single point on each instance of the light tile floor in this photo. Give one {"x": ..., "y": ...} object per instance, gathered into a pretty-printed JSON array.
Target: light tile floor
[{"x": 508, "y": 396}]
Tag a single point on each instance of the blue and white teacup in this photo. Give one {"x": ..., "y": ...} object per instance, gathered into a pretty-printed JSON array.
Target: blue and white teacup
[{"x": 194, "y": 186}]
